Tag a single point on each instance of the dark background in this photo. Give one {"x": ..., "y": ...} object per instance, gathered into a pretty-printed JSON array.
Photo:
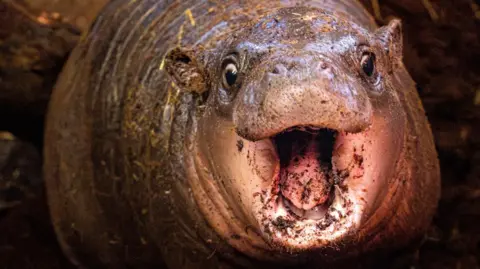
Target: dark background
[{"x": 442, "y": 53}]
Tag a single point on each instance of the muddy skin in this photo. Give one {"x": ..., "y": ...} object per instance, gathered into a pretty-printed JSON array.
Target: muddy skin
[{"x": 237, "y": 135}]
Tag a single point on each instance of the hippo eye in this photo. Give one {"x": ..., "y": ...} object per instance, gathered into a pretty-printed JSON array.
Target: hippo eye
[
  {"x": 230, "y": 74},
  {"x": 368, "y": 63}
]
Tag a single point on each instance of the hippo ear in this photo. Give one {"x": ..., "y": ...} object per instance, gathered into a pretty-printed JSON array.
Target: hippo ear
[
  {"x": 185, "y": 70},
  {"x": 391, "y": 37}
]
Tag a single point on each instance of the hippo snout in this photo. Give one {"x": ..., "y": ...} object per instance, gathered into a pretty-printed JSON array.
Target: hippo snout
[
  {"x": 301, "y": 90},
  {"x": 308, "y": 66}
]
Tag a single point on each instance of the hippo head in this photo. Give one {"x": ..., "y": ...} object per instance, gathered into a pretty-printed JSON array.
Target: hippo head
[{"x": 297, "y": 146}]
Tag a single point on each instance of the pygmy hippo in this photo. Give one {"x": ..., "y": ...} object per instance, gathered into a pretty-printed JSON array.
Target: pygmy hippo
[{"x": 237, "y": 134}]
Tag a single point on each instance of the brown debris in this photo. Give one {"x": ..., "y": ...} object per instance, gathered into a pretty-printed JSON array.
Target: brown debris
[{"x": 20, "y": 167}]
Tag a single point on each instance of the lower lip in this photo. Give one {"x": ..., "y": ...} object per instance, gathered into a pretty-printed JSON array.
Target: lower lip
[
  {"x": 316, "y": 213},
  {"x": 328, "y": 225}
]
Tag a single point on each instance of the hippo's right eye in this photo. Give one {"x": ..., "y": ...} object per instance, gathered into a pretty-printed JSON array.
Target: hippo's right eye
[
  {"x": 230, "y": 74},
  {"x": 368, "y": 64}
]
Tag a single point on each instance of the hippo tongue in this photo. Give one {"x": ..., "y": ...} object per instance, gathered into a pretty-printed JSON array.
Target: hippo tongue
[{"x": 305, "y": 168}]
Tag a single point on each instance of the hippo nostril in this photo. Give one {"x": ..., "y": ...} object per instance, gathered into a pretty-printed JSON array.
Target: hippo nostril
[
  {"x": 323, "y": 65},
  {"x": 279, "y": 69}
]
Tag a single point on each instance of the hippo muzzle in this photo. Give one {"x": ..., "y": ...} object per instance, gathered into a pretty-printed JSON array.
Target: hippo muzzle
[
  {"x": 304, "y": 104},
  {"x": 303, "y": 90}
]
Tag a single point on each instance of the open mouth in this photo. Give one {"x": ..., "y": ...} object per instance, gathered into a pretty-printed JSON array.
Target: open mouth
[
  {"x": 305, "y": 184},
  {"x": 308, "y": 202}
]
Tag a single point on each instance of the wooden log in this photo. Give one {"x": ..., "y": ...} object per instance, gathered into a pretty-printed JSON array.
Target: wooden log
[{"x": 33, "y": 47}]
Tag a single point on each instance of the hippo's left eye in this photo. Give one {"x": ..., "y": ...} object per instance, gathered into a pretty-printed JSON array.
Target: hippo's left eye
[
  {"x": 230, "y": 74},
  {"x": 368, "y": 63}
]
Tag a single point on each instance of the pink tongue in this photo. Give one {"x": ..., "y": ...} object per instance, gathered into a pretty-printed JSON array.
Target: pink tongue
[{"x": 304, "y": 182}]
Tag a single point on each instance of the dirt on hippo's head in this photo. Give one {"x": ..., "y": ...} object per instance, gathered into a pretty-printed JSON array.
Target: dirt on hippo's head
[{"x": 303, "y": 132}]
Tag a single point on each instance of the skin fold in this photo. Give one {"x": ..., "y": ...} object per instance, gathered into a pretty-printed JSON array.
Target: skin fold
[{"x": 257, "y": 134}]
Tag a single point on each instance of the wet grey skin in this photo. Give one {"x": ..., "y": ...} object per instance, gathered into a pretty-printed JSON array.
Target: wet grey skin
[{"x": 256, "y": 134}]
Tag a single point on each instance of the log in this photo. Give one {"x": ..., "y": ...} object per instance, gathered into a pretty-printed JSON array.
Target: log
[{"x": 33, "y": 48}]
